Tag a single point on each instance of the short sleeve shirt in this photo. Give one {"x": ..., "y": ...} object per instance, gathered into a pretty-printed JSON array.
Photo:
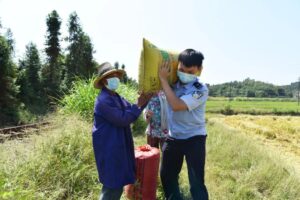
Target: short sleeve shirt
[{"x": 188, "y": 123}]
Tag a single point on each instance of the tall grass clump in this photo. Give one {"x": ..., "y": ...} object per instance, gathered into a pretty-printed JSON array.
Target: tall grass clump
[
  {"x": 227, "y": 110},
  {"x": 80, "y": 99},
  {"x": 59, "y": 164}
]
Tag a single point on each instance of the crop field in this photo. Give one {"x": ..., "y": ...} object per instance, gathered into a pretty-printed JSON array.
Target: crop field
[
  {"x": 250, "y": 106},
  {"x": 280, "y": 134}
]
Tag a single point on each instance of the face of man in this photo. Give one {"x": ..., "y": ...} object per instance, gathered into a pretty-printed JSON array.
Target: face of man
[{"x": 189, "y": 70}]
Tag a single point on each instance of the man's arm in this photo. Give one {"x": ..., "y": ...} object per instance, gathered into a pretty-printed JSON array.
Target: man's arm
[{"x": 176, "y": 103}]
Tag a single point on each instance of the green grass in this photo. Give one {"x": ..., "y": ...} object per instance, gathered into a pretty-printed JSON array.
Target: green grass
[
  {"x": 252, "y": 99},
  {"x": 58, "y": 163},
  {"x": 238, "y": 167},
  {"x": 253, "y": 107},
  {"x": 81, "y": 99},
  {"x": 82, "y": 96}
]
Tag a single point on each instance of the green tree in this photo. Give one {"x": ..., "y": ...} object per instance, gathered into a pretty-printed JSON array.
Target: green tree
[
  {"x": 125, "y": 77},
  {"x": 29, "y": 79},
  {"x": 281, "y": 92},
  {"x": 51, "y": 72},
  {"x": 250, "y": 88},
  {"x": 10, "y": 40},
  {"x": 250, "y": 93},
  {"x": 116, "y": 65},
  {"x": 22, "y": 81},
  {"x": 79, "y": 60},
  {"x": 298, "y": 91},
  {"x": 8, "y": 89}
]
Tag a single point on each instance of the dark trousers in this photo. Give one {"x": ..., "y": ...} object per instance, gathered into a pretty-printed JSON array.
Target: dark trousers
[
  {"x": 155, "y": 141},
  {"x": 173, "y": 154},
  {"x": 110, "y": 194}
]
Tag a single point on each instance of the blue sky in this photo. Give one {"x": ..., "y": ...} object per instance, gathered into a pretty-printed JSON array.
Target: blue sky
[{"x": 259, "y": 39}]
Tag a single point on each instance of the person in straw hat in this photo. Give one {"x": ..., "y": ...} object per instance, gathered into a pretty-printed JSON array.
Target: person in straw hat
[{"x": 112, "y": 138}]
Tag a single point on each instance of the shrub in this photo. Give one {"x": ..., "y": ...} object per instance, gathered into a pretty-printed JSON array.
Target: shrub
[{"x": 227, "y": 110}]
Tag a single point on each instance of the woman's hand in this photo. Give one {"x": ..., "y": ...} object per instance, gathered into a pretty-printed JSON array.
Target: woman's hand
[
  {"x": 143, "y": 99},
  {"x": 148, "y": 115}
]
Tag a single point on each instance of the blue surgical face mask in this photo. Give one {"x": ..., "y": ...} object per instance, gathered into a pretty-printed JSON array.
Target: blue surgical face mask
[
  {"x": 186, "y": 78},
  {"x": 113, "y": 83}
]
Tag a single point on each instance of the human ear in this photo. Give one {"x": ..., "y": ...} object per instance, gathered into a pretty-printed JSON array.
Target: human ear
[
  {"x": 199, "y": 70},
  {"x": 104, "y": 81}
]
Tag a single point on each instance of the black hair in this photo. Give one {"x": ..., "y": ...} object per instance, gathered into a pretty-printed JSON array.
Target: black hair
[{"x": 191, "y": 57}]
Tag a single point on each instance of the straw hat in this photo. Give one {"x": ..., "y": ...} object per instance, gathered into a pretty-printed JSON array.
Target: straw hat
[{"x": 104, "y": 70}]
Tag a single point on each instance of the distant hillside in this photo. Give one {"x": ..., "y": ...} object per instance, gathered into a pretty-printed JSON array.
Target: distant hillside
[{"x": 251, "y": 88}]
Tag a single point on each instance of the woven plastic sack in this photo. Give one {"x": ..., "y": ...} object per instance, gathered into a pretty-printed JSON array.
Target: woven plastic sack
[
  {"x": 147, "y": 165},
  {"x": 150, "y": 60}
]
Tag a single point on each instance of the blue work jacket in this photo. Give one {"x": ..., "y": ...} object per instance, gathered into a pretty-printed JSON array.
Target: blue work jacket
[{"x": 112, "y": 139}]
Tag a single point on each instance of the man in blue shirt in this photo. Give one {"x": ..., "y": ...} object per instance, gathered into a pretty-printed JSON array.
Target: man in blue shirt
[
  {"x": 187, "y": 133},
  {"x": 112, "y": 139}
]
